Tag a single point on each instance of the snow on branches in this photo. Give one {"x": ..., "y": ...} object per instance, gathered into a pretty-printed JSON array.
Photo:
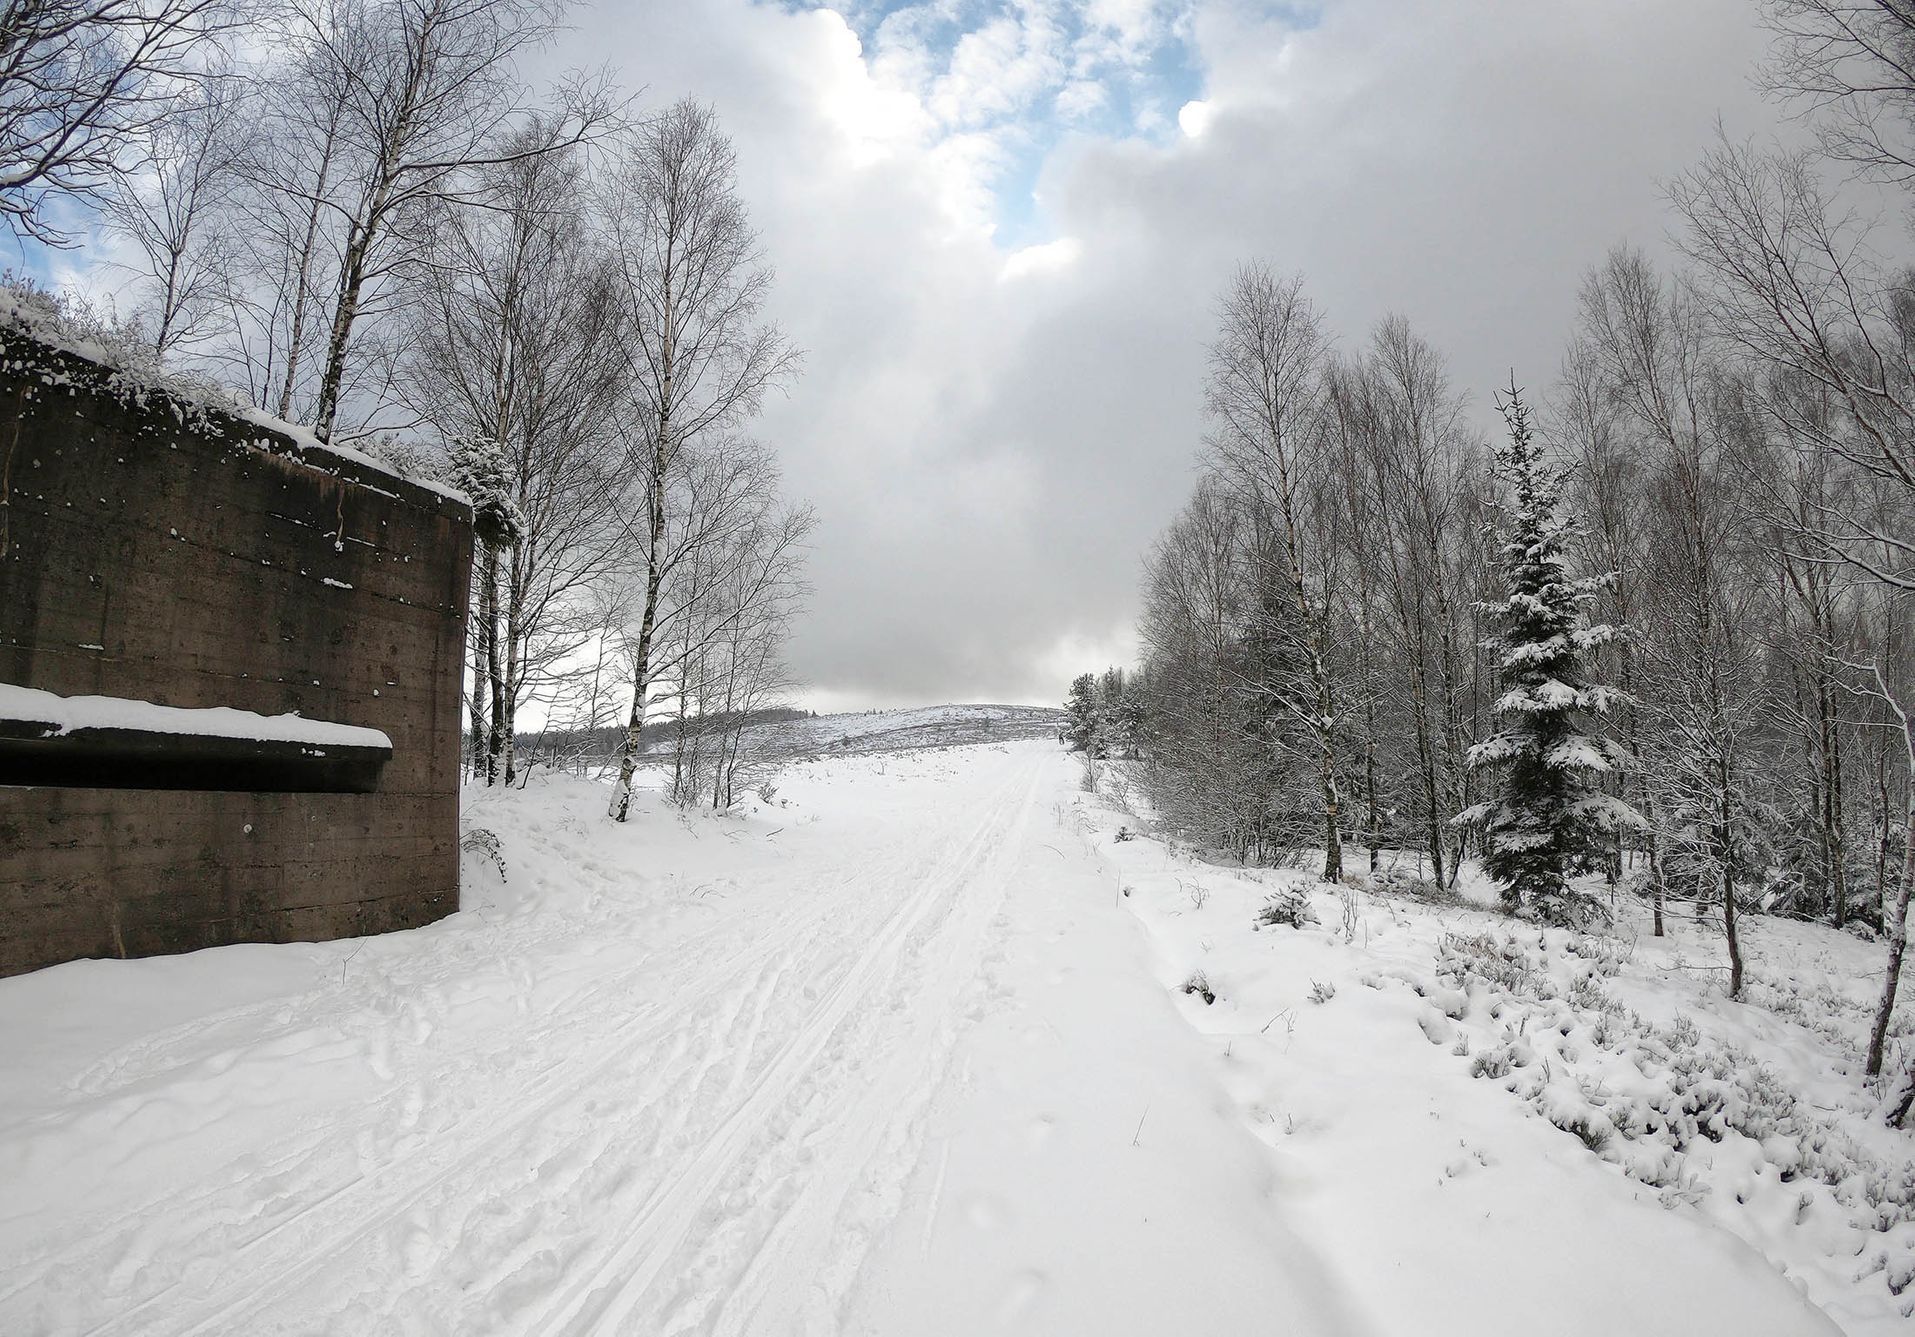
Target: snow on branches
[
  {"x": 1551, "y": 818},
  {"x": 481, "y": 470}
]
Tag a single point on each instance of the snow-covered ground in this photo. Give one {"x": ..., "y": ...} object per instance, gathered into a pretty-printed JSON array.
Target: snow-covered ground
[
  {"x": 1480, "y": 1123},
  {"x": 892, "y": 1055}
]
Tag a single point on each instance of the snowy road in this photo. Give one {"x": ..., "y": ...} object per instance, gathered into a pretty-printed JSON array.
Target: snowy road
[
  {"x": 879, "y": 1061},
  {"x": 890, "y": 1056}
]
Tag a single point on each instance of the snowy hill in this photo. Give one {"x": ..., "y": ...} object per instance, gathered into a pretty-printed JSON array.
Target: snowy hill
[{"x": 913, "y": 728}]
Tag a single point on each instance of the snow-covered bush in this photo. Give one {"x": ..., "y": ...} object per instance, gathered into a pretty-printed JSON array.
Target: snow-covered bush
[
  {"x": 483, "y": 471},
  {"x": 1663, "y": 1102},
  {"x": 1390, "y": 881},
  {"x": 70, "y": 321},
  {"x": 1199, "y": 984},
  {"x": 1288, "y": 905}
]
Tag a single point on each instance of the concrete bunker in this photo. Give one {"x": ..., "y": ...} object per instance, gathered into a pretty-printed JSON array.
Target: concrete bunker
[{"x": 229, "y": 674}]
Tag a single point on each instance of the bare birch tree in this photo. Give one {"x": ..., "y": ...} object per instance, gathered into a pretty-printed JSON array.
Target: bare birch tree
[
  {"x": 1414, "y": 460},
  {"x": 698, "y": 357},
  {"x": 514, "y": 339},
  {"x": 84, "y": 85},
  {"x": 1849, "y": 65},
  {"x": 174, "y": 211},
  {"x": 1209, "y": 771},
  {"x": 1264, "y": 395},
  {"x": 414, "y": 98},
  {"x": 1792, "y": 290}
]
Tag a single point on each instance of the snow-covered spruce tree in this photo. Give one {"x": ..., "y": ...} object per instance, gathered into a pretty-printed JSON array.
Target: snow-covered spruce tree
[
  {"x": 1080, "y": 726},
  {"x": 1550, "y": 819}
]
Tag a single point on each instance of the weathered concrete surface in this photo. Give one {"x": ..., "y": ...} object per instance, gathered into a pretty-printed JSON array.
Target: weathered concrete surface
[{"x": 165, "y": 552}]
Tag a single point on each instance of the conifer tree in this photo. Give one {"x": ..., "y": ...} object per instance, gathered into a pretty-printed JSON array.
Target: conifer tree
[
  {"x": 1550, "y": 819},
  {"x": 1081, "y": 726}
]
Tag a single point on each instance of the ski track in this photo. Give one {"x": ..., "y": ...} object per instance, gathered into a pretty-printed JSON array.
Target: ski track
[{"x": 704, "y": 1139}]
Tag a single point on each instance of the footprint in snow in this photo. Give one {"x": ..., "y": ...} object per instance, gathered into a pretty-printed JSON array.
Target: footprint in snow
[{"x": 1022, "y": 1295}]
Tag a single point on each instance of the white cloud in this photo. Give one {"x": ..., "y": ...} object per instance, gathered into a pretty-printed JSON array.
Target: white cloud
[
  {"x": 1080, "y": 99},
  {"x": 1043, "y": 258},
  {"x": 993, "y": 439}
]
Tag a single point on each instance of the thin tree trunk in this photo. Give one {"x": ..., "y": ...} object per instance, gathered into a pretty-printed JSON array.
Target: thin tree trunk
[
  {"x": 1324, "y": 725},
  {"x": 1895, "y": 909},
  {"x": 1426, "y": 758},
  {"x": 480, "y": 697},
  {"x": 1327, "y": 762},
  {"x": 1658, "y": 882},
  {"x": 642, "y": 660},
  {"x": 489, "y": 610},
  {"x": 302, "y": 278},
  {"x": 1725, "y": 837},
  {"x": 1370, "y": 820},
  {"x": 513, "y": 655},
  {"x": 1881, "y": 831},
  {"x": 1832, "y": 822},
  {"x": 1452, "y": 727},
  {"x": 1897, "y": 924},
  {"x": 344, "y": 314}
]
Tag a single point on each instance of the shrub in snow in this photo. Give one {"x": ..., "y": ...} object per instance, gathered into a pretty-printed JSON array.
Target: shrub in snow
[
  {"x": 1199, "y": 984},
  {"x": 1288, "y": 905},
  {"x": 1322, "y": 991},
  {"x": 69, "y": 321},
  {"x": 1350, "y": 903},
  {"x": 476, "y": 840},
  {"x": 1550, "y": 818},
  {"x": 1671, "y": 1106},
  {"x": 1492, "y": 1063},
  {"x": 1403, "y": 882}
]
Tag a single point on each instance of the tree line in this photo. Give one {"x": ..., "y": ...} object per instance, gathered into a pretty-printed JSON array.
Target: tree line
[
  {"x": 1674, "y": 598},
  {"x": 356, "y": 215}
]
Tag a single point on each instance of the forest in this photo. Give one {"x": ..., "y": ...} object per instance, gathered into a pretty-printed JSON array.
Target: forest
[{"x": 1652, "y": 640}]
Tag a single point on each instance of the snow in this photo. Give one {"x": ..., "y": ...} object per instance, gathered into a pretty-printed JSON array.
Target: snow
[
  {"x": 908, "y": 728},
  {"x": 68, "y": 713},
  {"x": 136, "y": 374},
  {"x": 1403, "y": 1147},
  {"x": 895, "y": 1054}
]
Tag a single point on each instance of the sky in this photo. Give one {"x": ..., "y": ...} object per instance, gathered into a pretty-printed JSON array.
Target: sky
[{"x": 999, "y": 230}]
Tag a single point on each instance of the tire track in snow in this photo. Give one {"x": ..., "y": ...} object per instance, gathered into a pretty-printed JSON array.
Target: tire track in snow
[
  {"x": 737, "y": 1051},
  {"x": 225, "y": 1220},
  {"x": 875, "y": 1143},
  {"x": 611, "y": 1292}
]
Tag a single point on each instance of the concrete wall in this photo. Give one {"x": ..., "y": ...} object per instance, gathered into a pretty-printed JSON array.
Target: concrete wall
[{"x": 154, "y": 550}]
